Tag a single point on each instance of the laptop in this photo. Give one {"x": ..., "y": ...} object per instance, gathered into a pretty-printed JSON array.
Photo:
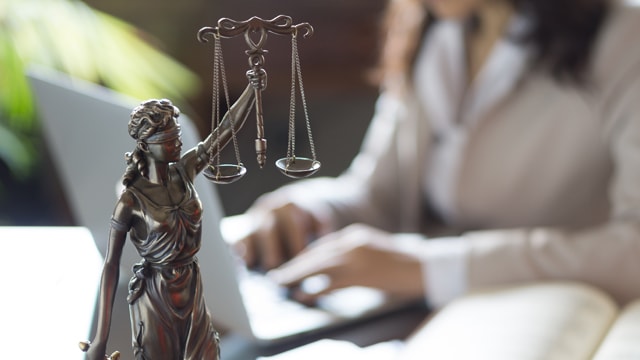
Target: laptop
[{"x": 85, "y": 128}]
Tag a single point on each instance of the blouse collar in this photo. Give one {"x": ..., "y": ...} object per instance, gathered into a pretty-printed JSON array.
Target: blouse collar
[{"x": 441, "y": 73}]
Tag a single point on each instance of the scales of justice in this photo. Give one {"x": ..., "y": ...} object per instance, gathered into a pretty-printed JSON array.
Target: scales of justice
[
  {"x": 159, "y": 210},
  {"x": 292, "y": 166}
]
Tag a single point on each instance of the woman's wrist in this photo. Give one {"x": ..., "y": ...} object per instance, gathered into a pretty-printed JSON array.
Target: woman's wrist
[{"x": 443, "y": 265}]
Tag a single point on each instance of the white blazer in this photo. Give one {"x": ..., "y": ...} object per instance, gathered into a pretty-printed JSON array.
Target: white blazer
[{"x": 537, "y": 180}]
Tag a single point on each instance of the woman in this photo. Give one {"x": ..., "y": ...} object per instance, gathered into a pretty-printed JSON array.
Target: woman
[
  {"x": 160, "y": 210},
  {"x": 507, "y": 134}
]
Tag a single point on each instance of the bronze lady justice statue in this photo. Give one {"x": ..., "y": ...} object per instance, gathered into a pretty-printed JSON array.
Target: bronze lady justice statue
[{"x": 160, "y": 210}]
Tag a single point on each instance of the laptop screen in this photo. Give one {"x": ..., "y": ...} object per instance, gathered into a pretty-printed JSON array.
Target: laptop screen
[{"x": 85, "y": 128}]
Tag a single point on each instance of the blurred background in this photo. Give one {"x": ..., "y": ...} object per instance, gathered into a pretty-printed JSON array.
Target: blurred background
[{"x": 148, "y": 49}]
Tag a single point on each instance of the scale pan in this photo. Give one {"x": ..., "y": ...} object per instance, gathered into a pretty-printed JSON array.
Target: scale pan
[
  {"x": 298, "y": 167},
  {"x": 224, "y": 173}
]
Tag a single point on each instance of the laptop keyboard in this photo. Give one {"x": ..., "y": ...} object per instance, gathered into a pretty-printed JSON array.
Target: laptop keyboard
[
  {"x": 261, "y": 295},
  {"x": 272, "y": 314}
]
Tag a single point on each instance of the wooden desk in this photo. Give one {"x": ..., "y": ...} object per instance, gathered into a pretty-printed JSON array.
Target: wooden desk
[{"x": 50, "y": 279}]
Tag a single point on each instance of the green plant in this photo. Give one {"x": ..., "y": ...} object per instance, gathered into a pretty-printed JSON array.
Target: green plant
[{"x": 71, "y": 37}]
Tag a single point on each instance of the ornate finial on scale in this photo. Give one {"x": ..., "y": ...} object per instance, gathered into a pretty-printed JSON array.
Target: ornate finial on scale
[{"x": 281, "y": 25}]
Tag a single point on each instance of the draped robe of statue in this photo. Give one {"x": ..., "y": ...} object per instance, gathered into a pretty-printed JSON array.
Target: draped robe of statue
[{"x": 169, "y": 318}]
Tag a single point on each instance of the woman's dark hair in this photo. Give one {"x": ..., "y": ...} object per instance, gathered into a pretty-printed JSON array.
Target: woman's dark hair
[{"x": 563, "y": 33}]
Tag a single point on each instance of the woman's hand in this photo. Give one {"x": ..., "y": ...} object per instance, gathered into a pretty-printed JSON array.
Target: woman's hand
[
  {"x": 279, "y": 233},
  {"x": 358, "y": 255}
]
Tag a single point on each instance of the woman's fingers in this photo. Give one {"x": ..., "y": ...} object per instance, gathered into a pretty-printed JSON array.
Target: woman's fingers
[
  {"x": 355, "y": 256},
  {"x": 295, "y": 227},
  {"x": 269, "y": 244},
  {"x": 308, "y": 263},
  {"x": 277, "y": 235}
]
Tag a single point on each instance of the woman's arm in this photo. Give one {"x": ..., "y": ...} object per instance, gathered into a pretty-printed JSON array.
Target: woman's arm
[
  {"x": 120, "y": 225},
  {"x": 370, "y": 192}
]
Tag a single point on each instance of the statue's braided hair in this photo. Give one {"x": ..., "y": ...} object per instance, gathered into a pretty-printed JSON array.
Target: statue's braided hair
[{"x": 147, "y": 119}]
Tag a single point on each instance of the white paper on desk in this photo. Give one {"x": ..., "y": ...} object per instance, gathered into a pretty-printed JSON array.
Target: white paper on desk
[{"x": 339, "y": 350}]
